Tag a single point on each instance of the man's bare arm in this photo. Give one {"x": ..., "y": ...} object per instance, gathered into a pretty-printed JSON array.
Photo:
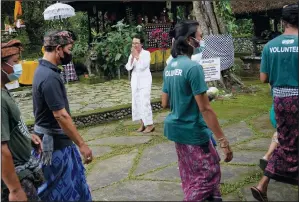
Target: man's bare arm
[
  {"x": 66, "y": 123},
  {"x": 264, "y": 78},
  {"x": 164, "y": 100},
  {"x": 209, "y": 115},
  {"x": 9, "y": 175}
]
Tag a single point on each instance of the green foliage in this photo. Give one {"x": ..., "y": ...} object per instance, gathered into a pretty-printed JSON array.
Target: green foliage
[
  {"x": 34, "y": 20},
  {"x": 114, "y": 47},
  {"x": 79, "y": 25},
  {"x": 181, "y": 13},
  {"x": 7, "y": 12},
  {"x": 240, "y": 27}
]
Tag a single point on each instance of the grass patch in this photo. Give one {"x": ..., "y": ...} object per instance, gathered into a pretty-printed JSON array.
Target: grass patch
[{"x": 232, "y": 187}]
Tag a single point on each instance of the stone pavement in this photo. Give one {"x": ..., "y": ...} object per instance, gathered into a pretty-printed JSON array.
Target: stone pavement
[
  {"x": 131, "y": 166},
  {"x": 85, "y": 97}
]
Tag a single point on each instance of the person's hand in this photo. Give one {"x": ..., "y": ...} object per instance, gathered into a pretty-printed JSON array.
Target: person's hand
[
  {"x": 228, "y": 153},
  {"x": 134, "y": 53},
  {"x": 86, "y": 153},
  {"x": 37, "y": 143},
  {"x": 17, "y": 195}
]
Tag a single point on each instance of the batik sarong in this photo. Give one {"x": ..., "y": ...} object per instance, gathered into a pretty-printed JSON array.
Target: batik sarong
[
  {"x": 29, "y": 183},
  {"x": 200, "y": 171},
  {"x": 65, "y": 177},
  {"x": 283, "y": 165}
]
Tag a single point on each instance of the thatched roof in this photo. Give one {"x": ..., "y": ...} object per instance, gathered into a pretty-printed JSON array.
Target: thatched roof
[{"x": 255, "y": 6}]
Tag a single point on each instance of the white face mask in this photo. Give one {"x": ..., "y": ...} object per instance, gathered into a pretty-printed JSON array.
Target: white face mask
[{"x": 17, "y": 68}]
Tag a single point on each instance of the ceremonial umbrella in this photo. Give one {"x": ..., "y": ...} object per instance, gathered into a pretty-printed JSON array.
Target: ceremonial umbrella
[{"x": 59, "y": 11}]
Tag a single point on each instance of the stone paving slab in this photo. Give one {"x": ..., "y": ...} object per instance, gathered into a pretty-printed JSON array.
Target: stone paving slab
[
  {"x": 238, "y": 132},
  {"x": 99, "y": 130},
  {"x": 156, "y": 156},
  {"x": 123, "y": 140},
  {"x": 110, "y": 170},
  {"x": 98, "y": 151},
  {"x": 140, "y": 191},
  {"x": 258, "y": 144},
  {"x": 231, "y": 174},
  {"x": 83, "y": 97},
  {"x": 171, "y": 173},
  {"x": 277, "y": 191},
  {"x": 263, "y": 124},
  {"x": 231, "y": 197},
  {"x": 245, "y": 156}
]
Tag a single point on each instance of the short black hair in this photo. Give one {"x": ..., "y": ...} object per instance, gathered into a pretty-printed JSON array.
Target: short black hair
[
  {"x": 73, "y": 35},
  {"x": 140, "y": 37},
  {"x": 290, "y": 15},
  {"x": 180, "y": 33}
]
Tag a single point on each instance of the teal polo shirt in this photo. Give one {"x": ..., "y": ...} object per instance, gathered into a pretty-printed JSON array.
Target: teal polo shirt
[
  {"x": 280, "y": 61},
  {"x": 182, "y": 80}
]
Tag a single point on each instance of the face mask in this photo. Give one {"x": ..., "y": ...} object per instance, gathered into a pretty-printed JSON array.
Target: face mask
[
  {"x": 200, "y": 48},
  {"x": 16, "y": 74},
  {"x": 66, "y": 59}
]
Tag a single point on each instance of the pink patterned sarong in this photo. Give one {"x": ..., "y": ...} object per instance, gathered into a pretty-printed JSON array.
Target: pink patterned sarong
[{"x": 200, "y": 172}]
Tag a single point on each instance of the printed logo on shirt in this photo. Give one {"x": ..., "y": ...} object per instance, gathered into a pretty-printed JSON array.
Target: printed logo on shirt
[
  {"x": 175, "y": 72},
  {"x": 289, "y": 41},
  {"x": 292, "y": 49},
  {"x": 174, "y": 64},
  {"x": 23, "y": 128}
]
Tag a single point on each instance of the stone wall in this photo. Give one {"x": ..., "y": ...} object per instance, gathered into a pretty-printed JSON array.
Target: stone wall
[
  {"x": 245, "y": 45},
  {"x": 106, "y": 116}
]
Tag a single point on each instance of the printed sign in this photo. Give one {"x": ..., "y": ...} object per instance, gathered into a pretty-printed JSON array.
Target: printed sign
[{"x": 211, "y": 68}]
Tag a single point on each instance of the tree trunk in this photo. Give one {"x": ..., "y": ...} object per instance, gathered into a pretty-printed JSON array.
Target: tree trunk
[
  {"x": 211, "y": 23},
  {"x": 197, "y": 7},
  {"x": 211, "y": 16}
]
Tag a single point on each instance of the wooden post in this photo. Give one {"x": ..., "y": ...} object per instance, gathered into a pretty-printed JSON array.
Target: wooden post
[
  {"x": 89, "y": 27},
  {"x": 97, "y": 20},
  {"x": 174, "y": 12}
]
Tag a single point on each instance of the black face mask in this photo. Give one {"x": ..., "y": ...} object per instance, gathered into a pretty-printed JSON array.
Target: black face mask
[{"x": 66, "y": 59}]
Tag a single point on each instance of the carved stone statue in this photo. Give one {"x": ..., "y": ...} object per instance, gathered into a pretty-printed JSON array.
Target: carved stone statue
[{"x": 92, "y": 64}]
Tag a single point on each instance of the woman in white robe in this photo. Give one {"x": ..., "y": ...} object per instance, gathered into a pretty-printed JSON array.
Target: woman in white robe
[{"x": 141, "y": 82}]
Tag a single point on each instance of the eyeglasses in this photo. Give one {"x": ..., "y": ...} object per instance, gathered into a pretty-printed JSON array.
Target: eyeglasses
[{"x": 136, "y": 43}]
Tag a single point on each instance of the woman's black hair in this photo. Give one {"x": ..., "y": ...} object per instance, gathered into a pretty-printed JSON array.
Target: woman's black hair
[
  {"x": 290, "y": 15},
  {"x": 140, "y": 37},
  {"x": 180, "y": 33}
]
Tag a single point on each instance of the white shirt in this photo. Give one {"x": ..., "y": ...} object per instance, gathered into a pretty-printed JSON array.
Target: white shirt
[{"x": 141, "y": 74}]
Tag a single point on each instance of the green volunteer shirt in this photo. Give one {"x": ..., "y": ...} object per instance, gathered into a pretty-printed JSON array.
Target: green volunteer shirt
[
  {"x": 182, "y": 80},
  {"x": 280, "y": 61},
  {"x": 14, "y": 131}
]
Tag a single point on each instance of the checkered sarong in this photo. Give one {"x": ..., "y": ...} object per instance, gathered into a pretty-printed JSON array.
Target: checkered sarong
[
  {"x": 221, "y": 46},
  {"x": 285, "y": 91},
  {"x": 69, "y": 73}
]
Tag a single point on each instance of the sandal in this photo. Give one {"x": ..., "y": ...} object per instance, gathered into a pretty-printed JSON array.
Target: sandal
[
  {"x": 263, "y": 164},
  {"x": 141, "y": 129},
  {"x": 149, "y": 131},
  {"x": 258, "y": 195}
]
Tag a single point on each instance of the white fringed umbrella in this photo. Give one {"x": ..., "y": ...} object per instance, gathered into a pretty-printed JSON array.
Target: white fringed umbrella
[{"x": 58, "y": 11}]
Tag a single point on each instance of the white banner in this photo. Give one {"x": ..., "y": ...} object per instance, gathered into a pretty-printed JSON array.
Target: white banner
[{"x": 211, "y": 68}]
